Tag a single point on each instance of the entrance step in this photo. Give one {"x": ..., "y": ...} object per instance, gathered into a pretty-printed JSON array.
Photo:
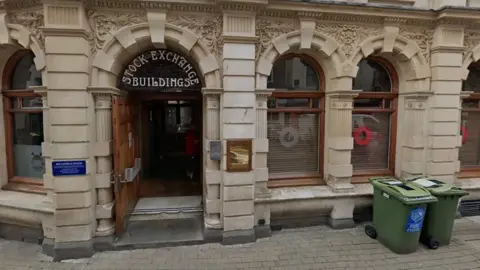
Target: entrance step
[
  {"x": 161, "y": 233},
  {"x": 165, "y": 208}
]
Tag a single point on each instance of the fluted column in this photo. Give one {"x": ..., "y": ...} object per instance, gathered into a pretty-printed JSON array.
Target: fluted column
[
  {"x": 103, "y": 122},
  {"x": 212, "y": 173}
]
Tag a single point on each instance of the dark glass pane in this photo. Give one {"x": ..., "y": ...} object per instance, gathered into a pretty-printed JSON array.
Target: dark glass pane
[
  {"x": 372, "y": 77},
  {"x": 367, "y": 103},
  {"x": 15, "y": 103},
  {"x": 371, "y": 134},
  {"x": 32, "y": 102},
  {"x": 293, "y": 103},
  {"x": 469, "y": 152},
  {"x": 470, "y": 103},
  {"x": 27, "y": 140},
  {"x": 473, "y": 80},
  {"x": 271, "y": 103},
  {"x": 293, "y": 144},
  {"x": 293, "y": 74},
  {"x": 26, "y": 74}
]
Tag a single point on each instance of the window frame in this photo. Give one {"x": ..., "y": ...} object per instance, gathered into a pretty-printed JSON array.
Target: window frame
[
  {"x": 471, "y": 172},
  {"x": 308, "y": 179},
  {"x": 16, "y": 183},
  {"x": 362, "y": 176}
]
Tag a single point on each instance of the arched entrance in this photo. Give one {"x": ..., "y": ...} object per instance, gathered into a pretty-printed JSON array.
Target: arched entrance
[{"x": 158, "y": 136}]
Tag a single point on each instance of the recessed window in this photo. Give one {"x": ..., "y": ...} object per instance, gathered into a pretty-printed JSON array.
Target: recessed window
[
  {"x": 373, "y": 118},
  {"x": 295, "y": 118},
  {"x": 469, "y": 154},
  {"x": 24, "y": 120}
]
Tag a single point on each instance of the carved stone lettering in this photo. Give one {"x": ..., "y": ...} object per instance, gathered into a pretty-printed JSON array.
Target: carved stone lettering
[
  {"x": 160, "y": 70},
  {"x": 207, "y": 27},
  {"x": 104, "y": 24},
  {"x": 348, "y": 35},
  {"x": 268, "y": 29},
  {"x": 32, "y": 20}
]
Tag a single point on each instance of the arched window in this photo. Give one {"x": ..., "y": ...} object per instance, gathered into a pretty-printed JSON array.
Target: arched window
[
  {"x": 23, "y": 121},
  {"x": 374, "y": 118},
  {"x": 295, "y": 120},
  {"x": 469, "y": 154}
]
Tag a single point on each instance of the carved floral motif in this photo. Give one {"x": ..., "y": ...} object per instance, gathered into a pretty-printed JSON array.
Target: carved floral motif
[
  {"x": 349, "y": 35},
  {"x": 32, "y": 20},
  {"x": 471, "y": 40},
  {"x": 104, "y": 24},
  {"x": 269, "y": 29},
  {"x": 422, "y": 36},
  {"x": 208, "y": 28}
]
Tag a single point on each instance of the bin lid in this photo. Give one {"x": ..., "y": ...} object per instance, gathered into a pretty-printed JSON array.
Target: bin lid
[
  {"x": 405, "y": 192},
  {"x": 437, "y": 187}
]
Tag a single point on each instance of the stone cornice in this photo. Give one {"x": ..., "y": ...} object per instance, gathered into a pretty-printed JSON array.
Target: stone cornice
[
  {"x": 105, "y": 91},
  {"x": 66, "y": 32}
]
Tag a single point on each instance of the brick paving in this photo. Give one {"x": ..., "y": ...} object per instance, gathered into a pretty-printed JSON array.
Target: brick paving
[{"x": 305, "y": 248}]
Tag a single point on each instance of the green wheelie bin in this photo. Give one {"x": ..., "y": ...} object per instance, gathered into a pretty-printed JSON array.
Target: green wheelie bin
[
  {"x": 398, "y": 212},
  {"x": 439, "y": 219}
]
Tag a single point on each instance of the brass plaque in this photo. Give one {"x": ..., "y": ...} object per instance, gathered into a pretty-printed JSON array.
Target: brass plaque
[{"x": 239, "y": 155}]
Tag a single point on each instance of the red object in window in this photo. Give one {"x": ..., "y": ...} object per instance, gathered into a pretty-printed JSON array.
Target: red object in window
[
  {"x": 190, "y": 147},
  {"x": 465, "y": 134},
  {"x": 362, "y": 131}
]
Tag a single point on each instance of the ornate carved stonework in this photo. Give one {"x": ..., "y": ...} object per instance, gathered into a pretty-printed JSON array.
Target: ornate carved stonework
[
  {"x": 207, "y": 26},
  {"x": 105, "y": 23},
  {"x": 32, "y": 20},
  {"x": 349, "y": 35},
  {"x": 422, "y": 36},
  {"x": 471, "y": 39},
  {"x": 268, "y": 29}
]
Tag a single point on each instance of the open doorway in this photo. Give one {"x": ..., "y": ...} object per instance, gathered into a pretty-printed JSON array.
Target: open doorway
[{"x": 171, "y": 146}]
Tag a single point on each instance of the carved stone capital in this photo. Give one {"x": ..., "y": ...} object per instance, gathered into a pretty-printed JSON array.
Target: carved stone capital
[
  {"x": 465, "y": 94},
  {"x": 343, "y": 94},
  {"x": 417, "y": 95},
  {"x": 41, "y": 90},
  {"x": 212, "y": 91},
  {"x": 105, "y": 91},
  {"x": 263, "y": 92}
]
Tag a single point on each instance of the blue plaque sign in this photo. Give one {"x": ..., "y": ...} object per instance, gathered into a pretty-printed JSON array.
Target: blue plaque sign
[
  {"x": 69, "y": 167},
  {"x": 415, "y": 220}
]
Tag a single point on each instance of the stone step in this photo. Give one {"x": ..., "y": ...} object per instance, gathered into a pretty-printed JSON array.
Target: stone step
[{"x": 170, "y": 214}]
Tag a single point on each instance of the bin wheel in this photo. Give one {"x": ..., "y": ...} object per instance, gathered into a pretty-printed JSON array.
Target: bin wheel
[
  {"x": 370, "y": 231},
  {"x": 432, "y": 243}
]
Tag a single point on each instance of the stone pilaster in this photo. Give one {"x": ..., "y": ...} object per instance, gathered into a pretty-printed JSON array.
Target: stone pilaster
[
  {"x": 238, "y": 122},
  {"x": 212, "y": 172},
  {"x": 260, "y": 148},
  {"x": 339, "y": 145},
  {"x": 339, "y": 139},
  {"x": 71, "y": 128},
  {"x": 444, "y": 128},
  {"x": 412, "y": 139}
]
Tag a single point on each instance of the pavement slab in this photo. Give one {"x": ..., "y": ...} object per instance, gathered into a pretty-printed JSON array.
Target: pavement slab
[{"x": 294, "y": 249}]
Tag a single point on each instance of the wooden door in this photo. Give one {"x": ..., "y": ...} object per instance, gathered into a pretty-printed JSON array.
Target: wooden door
[{"x": 125, "y": 149}]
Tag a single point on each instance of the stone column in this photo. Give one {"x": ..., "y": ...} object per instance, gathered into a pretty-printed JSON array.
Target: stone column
[
  {"x": 71, "y": 129},
  {"x": 212, "y": 172},
  {"x": 446, "y": 84},
  {"x": 103, "y": 154},
  {"x": 413, "y": 144},
  {"x": 260, "y": 147},
  {"x": 339, "y": 145},
  {"x": 238, "y": 122}
]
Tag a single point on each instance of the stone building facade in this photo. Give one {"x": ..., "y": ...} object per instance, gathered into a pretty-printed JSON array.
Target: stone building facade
[{"x": 418, "y": 58}]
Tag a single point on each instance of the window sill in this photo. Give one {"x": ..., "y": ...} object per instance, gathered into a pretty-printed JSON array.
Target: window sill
[
  {"x": 295, "y": 182},
  {"x": 313, "y": 192},
  {"x": 26, "y": 188},
  {"x": 23, "y": 201},
  {"x": 465, "y": 174},
  {"x": 362, "y": 177}
]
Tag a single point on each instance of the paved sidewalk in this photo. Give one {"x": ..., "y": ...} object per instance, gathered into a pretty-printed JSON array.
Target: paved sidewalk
[{"x": 306, "y": 248}]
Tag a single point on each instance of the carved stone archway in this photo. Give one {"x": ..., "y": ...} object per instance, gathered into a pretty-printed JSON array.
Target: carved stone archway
[
  {"x": 471, "y": 56},
  {"x": 409, "y": 51},
  {"x": 108, "y": 65}
]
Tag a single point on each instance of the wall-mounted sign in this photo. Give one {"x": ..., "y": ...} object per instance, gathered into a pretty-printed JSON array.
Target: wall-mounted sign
[
  {"x": 215, "y": 150},
  {"x": 160, "y": 70},
  {"x": 239, "y": 155},
  {"x": 69, "y": 167}
]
